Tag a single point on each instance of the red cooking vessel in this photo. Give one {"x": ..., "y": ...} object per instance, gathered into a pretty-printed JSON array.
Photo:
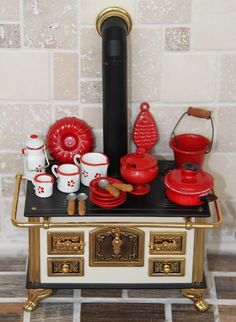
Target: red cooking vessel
[
  {"x": 139, "y": 168},
  {"x": 189, "y": 185}
]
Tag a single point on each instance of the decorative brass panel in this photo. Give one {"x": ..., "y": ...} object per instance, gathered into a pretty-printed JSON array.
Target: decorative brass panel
[
  {"x": 166, "y": 267},
  {"x": 119, "y": 246},
  {"x": 66, "y": 266},
  {"x": 167, "y": 243},
  {"x": 61, "y": 243}
]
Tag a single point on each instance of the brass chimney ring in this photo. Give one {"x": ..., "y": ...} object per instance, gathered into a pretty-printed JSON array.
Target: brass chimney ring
[{"x": 113, "y": 12}]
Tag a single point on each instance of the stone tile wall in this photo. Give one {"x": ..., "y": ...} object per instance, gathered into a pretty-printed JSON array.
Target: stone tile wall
[{"x": 181, "y": 53}]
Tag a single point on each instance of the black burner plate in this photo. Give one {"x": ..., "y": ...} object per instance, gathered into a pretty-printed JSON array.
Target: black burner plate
[{"x": 155, "y": 204}]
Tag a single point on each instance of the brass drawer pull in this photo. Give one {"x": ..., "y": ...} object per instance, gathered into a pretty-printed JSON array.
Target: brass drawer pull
[
  {"x": 65, "y": 268},
  {"x": 166, "y": 268}
]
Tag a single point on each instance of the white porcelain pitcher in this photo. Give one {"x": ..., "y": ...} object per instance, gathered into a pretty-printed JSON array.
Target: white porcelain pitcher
[{"x": 35, "y": 157}]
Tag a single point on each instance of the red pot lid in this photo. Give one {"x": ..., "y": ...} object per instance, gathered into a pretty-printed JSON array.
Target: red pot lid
[
  {"x": 139, "y": 160},
  {"x": 189, "y": 179}
]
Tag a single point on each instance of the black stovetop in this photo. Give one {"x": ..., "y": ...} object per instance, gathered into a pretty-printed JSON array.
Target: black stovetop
[{"x": 155, "y": 204}]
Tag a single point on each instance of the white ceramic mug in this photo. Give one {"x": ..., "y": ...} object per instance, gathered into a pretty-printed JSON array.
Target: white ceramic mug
[
  {"x": 93, "y": 165},
  {"x": 68, "y": 177},
  {"x": 43, "y": 185}
]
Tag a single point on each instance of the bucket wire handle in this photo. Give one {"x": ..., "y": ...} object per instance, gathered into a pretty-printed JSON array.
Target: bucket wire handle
[{"x": 200, "y": 113}]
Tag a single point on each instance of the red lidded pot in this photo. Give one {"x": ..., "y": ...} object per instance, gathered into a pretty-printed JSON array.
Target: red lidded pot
[
  {"x": 189, "y": 185},
  {"x": 139, "y": 168}
]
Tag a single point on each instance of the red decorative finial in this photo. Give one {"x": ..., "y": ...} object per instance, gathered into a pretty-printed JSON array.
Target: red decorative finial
[{"x": 145, "y": 133}]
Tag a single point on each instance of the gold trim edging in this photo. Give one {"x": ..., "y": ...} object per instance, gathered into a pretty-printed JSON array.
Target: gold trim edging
[
  {"x": 113, "y": 12},
  {"x": 47, "y": 224}
]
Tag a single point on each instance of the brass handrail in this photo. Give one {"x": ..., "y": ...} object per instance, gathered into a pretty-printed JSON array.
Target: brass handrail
[{"x": 46, "y": 223}]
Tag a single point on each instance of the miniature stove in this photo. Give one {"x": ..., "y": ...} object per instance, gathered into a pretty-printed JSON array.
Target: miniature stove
[{"x": 148, "y": 242}]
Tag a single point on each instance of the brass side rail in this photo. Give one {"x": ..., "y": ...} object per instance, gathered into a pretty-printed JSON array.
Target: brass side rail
[{"x": 46, "y": 223}]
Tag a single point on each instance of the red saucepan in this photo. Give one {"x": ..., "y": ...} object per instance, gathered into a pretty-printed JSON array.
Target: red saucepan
[{"x": 189, "y": 185}]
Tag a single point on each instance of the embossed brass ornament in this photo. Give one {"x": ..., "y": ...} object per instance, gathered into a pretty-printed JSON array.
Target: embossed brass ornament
[{"x": 117, "y": 246}]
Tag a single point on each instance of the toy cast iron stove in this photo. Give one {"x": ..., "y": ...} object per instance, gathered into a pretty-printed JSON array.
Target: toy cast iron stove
[{"x": 147, "y": 242}]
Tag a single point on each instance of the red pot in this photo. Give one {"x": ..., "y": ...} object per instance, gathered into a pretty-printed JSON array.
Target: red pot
[
  {"x": 189, "y": 185},
  {"x": 139, "y": 169}
]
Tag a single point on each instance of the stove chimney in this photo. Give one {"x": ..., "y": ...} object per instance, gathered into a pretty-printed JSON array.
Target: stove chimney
[{"x": 114, "y": 24}]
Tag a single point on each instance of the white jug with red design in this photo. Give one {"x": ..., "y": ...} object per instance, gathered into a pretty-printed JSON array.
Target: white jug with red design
[{"x": 35, "y": 157}]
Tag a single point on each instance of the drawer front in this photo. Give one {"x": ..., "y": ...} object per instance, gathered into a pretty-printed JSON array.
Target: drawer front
[
  {"x": 64, "y": 243},
  {"x": 167, "y": 243},
  {"x": 65, "y": 266},
  {"x": 116, "y": 247},
  {"x": 166, "y": 267}
]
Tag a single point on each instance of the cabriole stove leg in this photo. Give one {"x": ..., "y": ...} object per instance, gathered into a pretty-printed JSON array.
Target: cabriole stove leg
[
  {"x": 35, "y": 296},
  {"x": 197, "y": 296}
]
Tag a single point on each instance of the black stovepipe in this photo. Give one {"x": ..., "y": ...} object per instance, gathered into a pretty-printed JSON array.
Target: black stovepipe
[{"x": 114, "y": 32}]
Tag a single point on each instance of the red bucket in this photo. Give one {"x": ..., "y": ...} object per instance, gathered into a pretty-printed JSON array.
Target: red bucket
[{"x": 189, "y": 148}]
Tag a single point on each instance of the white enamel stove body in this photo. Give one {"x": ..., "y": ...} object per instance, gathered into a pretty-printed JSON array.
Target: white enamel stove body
[{"x": 105, "y": 274}]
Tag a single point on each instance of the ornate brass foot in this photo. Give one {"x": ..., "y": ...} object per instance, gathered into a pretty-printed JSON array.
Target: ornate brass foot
[
  {"x": 197, "y": 296},
  {"x": 35, "y": 296}
]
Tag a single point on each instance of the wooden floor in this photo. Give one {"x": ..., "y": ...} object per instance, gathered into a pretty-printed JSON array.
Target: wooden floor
[{"x": 120, "y": 305}]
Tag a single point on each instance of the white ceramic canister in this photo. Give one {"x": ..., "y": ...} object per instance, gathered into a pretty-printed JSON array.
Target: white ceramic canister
[
  {"x": 35, "y": 157},
  {"x": 93, "y": 165},
  {"x": 43, "y": 185},
  {"x": 68, "y": 177}
]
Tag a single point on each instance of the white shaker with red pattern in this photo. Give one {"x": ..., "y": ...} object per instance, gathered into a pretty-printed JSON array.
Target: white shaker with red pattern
[{"x": 35, "y": 157}]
